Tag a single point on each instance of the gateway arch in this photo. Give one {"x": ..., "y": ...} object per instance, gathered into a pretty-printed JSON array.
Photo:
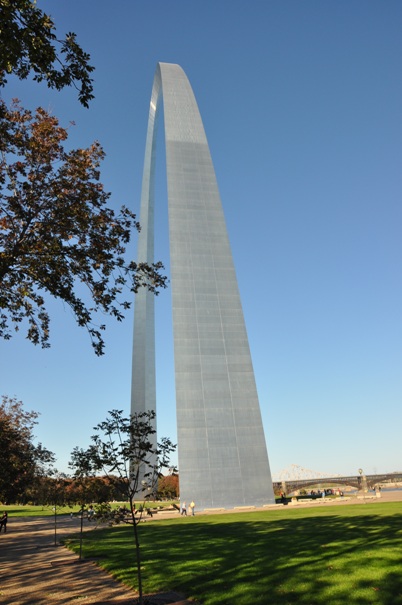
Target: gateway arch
[{"x": 223, "y": 460}]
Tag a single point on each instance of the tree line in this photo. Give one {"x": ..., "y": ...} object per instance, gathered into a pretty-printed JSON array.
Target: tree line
[
  {"x": 29, "y": 475},
  {"x": 63, "y": 490}
]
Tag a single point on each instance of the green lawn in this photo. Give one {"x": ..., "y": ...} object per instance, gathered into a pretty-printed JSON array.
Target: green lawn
[
  {"x": 28, "y": 510},
  {"x": 349, "y": 555}
]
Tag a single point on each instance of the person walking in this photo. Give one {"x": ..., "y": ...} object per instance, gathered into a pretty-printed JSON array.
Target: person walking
[
  {"x": 184, "y": 509},
  {"x": 192, "y": 507},
  {"x": 3, "y": 522}
]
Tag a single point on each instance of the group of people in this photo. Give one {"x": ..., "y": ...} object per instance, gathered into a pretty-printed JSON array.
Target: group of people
[
  {"x": 3, "y": 522},
  {"x": 184, "y": 509}
]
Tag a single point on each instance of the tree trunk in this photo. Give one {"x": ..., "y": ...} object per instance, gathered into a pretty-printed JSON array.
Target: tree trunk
[{"x": 137, "y": 551}]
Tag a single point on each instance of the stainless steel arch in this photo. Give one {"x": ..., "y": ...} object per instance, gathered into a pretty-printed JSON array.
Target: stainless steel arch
[{"x": 223, "y": 459}]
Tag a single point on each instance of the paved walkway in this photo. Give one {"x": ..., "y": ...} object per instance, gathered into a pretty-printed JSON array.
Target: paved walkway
[{"x": 35, "y": 571}]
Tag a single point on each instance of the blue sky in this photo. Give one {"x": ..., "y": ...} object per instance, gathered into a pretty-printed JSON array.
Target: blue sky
[{"x": 301, "y": 103}]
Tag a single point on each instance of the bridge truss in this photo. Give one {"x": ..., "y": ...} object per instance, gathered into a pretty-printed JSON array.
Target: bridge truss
[{"x": 360, "y": 482}]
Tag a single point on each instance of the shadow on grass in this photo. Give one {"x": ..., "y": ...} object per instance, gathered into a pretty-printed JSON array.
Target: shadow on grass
[{"x": 302, "y": 557}]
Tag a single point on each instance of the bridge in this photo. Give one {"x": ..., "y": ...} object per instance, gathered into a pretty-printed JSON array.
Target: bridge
[{"x": 360, "y": 482}]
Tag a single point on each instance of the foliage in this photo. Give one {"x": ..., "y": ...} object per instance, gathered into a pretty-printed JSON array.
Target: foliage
[
  {"x": 57, "y": 236},
  {"x": 168, "y": 486},
  {"x": 127, "y": 448},
  {"x": 309, "y": 556},
  {"x": 96, "y": 489},
  {"x": 22, "y": 461},
  {"x": 29, "y": 45},
  {"x": 49, "y": 490},
  {"x": 70, "y": 490}
]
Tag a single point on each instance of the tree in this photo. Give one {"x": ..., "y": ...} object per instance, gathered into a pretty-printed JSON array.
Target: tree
[
  {"x": 29, "y": 45},
  {"x": 22, "y": 461},
  {"x": 57, "y": 233},
  {"x": 168, "y": 486},
  {"x": 50, "y": 490},
  {"x": 125, "y": 447}
]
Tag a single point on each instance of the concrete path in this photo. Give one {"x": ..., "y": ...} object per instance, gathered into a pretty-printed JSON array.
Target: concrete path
[{"x": 35, "y": 571}]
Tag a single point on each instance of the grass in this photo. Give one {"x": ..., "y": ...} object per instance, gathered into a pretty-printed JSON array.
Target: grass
[
  {"x": 336, "y": 555},
  {"x": 28, "y": 510}
]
